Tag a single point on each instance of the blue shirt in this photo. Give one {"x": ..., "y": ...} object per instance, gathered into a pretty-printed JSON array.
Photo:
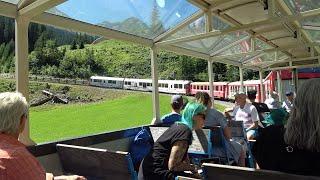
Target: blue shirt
[{"x": 170, "y": 118}]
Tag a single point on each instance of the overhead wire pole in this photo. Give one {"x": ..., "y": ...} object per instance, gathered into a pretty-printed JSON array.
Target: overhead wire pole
[{"x": 155, "y": 87}]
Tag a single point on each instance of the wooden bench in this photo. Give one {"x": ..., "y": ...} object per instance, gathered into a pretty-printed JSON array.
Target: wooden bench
[
  {"x": 223, "y": 172},
  {"x": 112, "y": 141},
  {"x": 96, "y": 163}
]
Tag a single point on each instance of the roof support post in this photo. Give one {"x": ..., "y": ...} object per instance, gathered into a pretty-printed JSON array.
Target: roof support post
[
  {"x": 262, "y": 91},
  {"x": 208, "y": 16},
  {"x": 210, "y": 75},
  {"x": 253, "y": 44},
  {"x": 22, "y": 68},
  {"x": 279, "y": 85},
  {"x": 241, "y": 79},
  {"x": 296, "y": 79},
  {"x": 155, "y": 87}
]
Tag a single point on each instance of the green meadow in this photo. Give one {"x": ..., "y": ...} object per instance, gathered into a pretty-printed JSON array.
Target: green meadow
[{"x": 67, "y": 121}]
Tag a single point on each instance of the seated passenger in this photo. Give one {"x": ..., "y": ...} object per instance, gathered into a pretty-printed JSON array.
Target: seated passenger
[
  {"x": 288, "y": 104},
  {"x": 295, "y": 148},
  {"x": 176, "y": 105},
  {"x": 15, "y": 160},
  {"x": 262, "y": 108},
  {"x": 247, "y": 113},
  {"x": 216, "y": 118},
  {"x": 169, "y": 155},
  {"x": 277, "y": 116}
]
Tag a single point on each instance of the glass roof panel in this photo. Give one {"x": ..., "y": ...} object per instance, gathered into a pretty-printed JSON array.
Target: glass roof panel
[
  {"x": 260, "y": 45},
  {"x": 194, "y": 28},
  {"x": 139, "y": 17},
  {"x": 298, "y": 6},
  {"x": 198, "y": 46},
  {"x": 11, "y": 1},
  {"x": 228, "y": 39},
  {"x": 312, "y": 26},
  {"x": 218, "y": 24}
]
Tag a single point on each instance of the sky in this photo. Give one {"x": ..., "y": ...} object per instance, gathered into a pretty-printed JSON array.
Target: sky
[{"x": 97, "y": 11}]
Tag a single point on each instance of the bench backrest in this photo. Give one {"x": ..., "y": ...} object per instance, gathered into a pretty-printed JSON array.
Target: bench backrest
[
  {"x": 223, "y": 172},
  {"x": 218, "y": 142},
  {"x": 237, "y": 129},
  {"x": 96, "y": 163},
  {"x": 200, "y": 144}
]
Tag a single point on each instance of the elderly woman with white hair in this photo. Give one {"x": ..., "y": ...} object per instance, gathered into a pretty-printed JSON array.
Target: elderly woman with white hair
[
  {"x": 15, "y": 160},
  {"x": 277, "y": 115},
  {"x": 296, "y": 147}
]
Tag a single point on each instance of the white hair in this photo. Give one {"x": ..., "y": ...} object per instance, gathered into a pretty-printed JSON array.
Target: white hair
[
  {"x": 303, "y": 128},
  {"x": 12, "y": 107}
]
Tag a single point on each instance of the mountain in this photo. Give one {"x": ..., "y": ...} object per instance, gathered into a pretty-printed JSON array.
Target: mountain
[
  {"x": 131, "y": 25},
  {"x": 56, "y": 11}
]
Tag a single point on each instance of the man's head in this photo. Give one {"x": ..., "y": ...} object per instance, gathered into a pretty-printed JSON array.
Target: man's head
[
  {"x": 289, "y": 95},
  {"x": 13, "y": 112},
  {"x": 252, "y": 95},
  {"x": 176, "y": 102},
  {"x": 240, "y": 98}
]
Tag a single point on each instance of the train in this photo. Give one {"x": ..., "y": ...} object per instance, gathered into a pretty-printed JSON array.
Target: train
[{"x": 222, "y": 90}]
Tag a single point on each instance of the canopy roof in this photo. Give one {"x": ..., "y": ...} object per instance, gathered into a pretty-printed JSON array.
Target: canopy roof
[{"x": 254, "y": 34}]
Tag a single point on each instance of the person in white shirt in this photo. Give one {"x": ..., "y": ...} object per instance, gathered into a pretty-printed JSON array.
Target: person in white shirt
[
  {"x": 246, "y": 112},
  {"x": 288, "y": 104}
]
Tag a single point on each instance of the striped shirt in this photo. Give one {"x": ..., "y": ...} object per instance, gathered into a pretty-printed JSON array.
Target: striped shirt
[{"x": 16, "y": 162}]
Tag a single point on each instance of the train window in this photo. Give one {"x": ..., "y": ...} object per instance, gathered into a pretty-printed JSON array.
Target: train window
[
  {"x": 166, "y": 85},
  {"x": 180, "y": 86},
  {"x": 109, "y": 81},
  {"x": 129, "y": 83},
  {"x": 175, "y": 85},
  {"x": 140, "y": 84},
  {"x": 185, "y": 86},
  {"x": 201, "y": 87}
]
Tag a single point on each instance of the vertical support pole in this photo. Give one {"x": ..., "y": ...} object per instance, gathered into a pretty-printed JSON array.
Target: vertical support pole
[
  {"x": 271, "y": 8},
  {"x": 22, "y": 69},
  {"x": 296, "y": 79},
  {"x": 241, "y": 79},
  {"x": 253, "y": 44},
  {"x": 262, "y": 92},
  {"x": 155, "y": 87},
  {"x": 210, "y": 72},
  {"x": 208, "y": 17},
  {"x": 279, "y": 86}
]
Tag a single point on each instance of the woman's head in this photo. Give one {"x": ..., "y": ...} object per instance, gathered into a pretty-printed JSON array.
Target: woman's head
[
  {"x": 13, "y": 108},
  {"x": 193, "y": 115},
  {"x": 303, "y": 128},
  {"x": 203, "y": 98}
]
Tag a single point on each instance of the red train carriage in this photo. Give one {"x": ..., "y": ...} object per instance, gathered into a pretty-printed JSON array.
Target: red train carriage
[
  {"x": 234, "y": 87},
  {"x": 220, "y": 89}
]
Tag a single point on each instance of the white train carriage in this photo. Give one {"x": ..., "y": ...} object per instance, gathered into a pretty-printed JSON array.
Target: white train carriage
[
  {"x": 107, "y": 82},
  {"x": 174, "y": 86},
  {"x": 138, "y": 84}
]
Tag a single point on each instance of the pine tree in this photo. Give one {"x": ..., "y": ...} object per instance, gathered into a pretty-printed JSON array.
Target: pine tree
[
  {"x": 156, "y": 24},
  {"x": 73, "y": 45}
]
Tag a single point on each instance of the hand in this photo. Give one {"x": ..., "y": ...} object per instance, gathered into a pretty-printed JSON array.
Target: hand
[{"x": 72, "y": 177}]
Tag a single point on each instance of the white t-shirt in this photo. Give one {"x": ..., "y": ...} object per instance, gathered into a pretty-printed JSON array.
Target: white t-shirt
[
  {"x": 248, "y": 114},
  {"x": 287, "y": 105}
]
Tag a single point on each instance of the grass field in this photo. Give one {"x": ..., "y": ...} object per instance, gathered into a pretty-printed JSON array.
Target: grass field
[{"x": 61, "y": 122}]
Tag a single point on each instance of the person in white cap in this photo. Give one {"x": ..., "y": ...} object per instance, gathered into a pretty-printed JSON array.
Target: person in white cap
[{"x": 288, "y": 104}]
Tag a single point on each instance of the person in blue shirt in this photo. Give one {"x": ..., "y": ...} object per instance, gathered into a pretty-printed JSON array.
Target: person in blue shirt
[{"x": 176, "y": 105}]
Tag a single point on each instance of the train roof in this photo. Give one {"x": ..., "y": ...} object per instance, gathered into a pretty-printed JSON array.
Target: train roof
[
  {"x": 175, "y": 81},
  {"x": 107, "y": 78},
  {"x": 207, "y": 83},
  {"x": 248, "y": 82}
]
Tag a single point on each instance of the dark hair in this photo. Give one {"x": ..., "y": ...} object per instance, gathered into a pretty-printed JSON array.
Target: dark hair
[
  {"x": 177, "y": 105},
  {"x": 252, "y": 94},
  {"x": 203, "y": 98}
]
